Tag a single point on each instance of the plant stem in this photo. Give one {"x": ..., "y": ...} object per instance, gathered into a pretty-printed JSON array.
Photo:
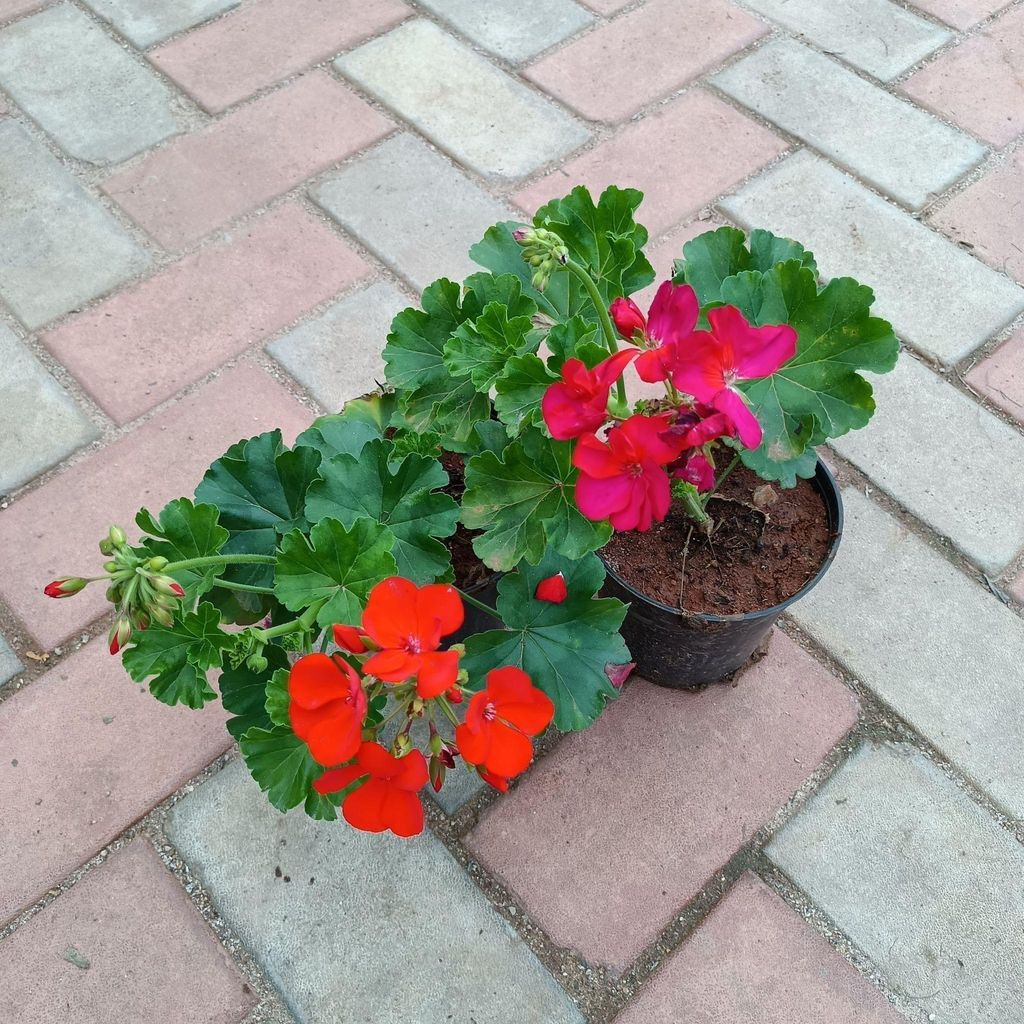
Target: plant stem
[
  {"x": 247, "y": 587},
  {"x": 447, "y": 709},
  {"x": 300, "y": 625},
  {"x": 721, "y": 480},
  {"x": 479, "y": 604},
  {"x": 607, "y": 327},
  {"x": 694, "y": 507},
  {"x": 198, "y": 563}
]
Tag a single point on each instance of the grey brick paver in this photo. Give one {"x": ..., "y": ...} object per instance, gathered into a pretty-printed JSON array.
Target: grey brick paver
[
  {"x": 336, "y": 356},
  {"x": 949, "y": 461},
  {"x": 921, "y": 878},
  {"x": 485, "y": 118},
  {"x": 513, "y": 29},
  {"x": 877, "y": 36},
  {"x": 938, "y": 647},
  {"x": 939, "y": 298},
  {"x": 890, "y": 143},
  {"x": 411, "y": 207},
  {"x": 60, "y": 247},
  {"x": 39, "y": 421},
  {"x": 146, "y": 22},
  {"x": 10, "y": 665},
  {"x": 387, "y": 930},
  {"x": 84, "y": 89}
]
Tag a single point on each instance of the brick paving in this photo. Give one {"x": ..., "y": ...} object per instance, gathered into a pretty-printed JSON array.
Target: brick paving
[{"x": 209, "y": 211}]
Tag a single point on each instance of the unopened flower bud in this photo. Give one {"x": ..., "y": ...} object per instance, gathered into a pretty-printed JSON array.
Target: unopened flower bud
[
  {"x": 117, "y": 537},
  {"x": 114, "y": 594},
  {"x": 436, "y": 772},
  {"x": 402, "y": 744},
  {"x": 106, "y": 548},
  {"x": 111, "y": 566},
  {"x": 436, "y": 744},
  {"x": 257, "y": 663},
  {"x": 65, "y": 586},
  {"x": 120, "y": 634},
  {"x": 455, "y": 695},
  {"x": 162, "y": 615},
  {"x": 158, "y": 563},
  {"x": 139, "y": 619},
  {"x": 167, "y": 585}
]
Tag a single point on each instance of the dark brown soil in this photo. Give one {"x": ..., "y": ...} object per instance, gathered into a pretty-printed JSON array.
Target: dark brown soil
[
  {"x": 753, "y": 560},
  {"x": 469, "y": 570}
]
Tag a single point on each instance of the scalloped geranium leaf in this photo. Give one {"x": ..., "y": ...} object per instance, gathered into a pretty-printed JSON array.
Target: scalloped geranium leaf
[
  {"x": 819, "y": 393},
  {"x": 185, "y": 531},
  {"x": 567, "y": 649},
  {"x": 406, "y": 497},
  {"x": 260, "y": 488},
  {"x": 481, "y": 348},
  {"x": 278, "y": 700},
  {"x": 524, "y": 502},
  {"x": 519, "y": 390},
  {"x": 244, "y": 692},
  {"x": 713, "y": 257},
  {"x": 346, "y": 432},
  {"x": 575, "y": 339},
  {"x": 282, "y": 765},
  {"x": 334, "y": 562},
  {"x": 176, "y": 658},
  {"x": 604, "y": 237},
  {"x": 430, "y": 397}
]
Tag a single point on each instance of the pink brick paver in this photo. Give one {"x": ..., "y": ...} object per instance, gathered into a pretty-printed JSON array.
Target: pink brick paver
[
  {"x": 143, "y": 344},
  {"x": 961, "y": 13},
  {"x": 1016, "y": 587},
  {"x": 980, "y": 83},
  {"x": 199, "y": 182},
  {"x": 1000, "y": 376},
  {"x": 679, "y": 40},
  {"x": 266, "y": 41},
  {"x": 71, "y": 781},
  {"x": 753, "y": 961},
  {"x": 54, "y": 529},
  {"x": 621, "y": 825},
  {"x": 16, "y": 8},
  {"x": 681, "y": 157},
  {"x": 990, "y": 216},
  {"x": 151, "y": 956}
]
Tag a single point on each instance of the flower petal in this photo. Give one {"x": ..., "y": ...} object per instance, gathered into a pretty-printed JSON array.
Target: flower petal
[
  {"x": 316, "y": 680},
  {"x": 674, "y": 313},
  {"x": 756, "y": 351},
  {"x": 390, "y": 613},
  {"x": 473, "y": 743},
  {"x": 440, "y": 603},
  {"x": 595, "y": 458},
  {"x": 335, "y": 781},
  {"x": 732, "y": 404},
  {"x": 392, "y": 665},
  {"x": 699, "y": 367},
  {"x": 511, "y": 752},
  {"x": 600, "y": 499},
  {"x": 437, "y": 672},
  {"x": 363, "y": 808},
  {"x": 402, "y": 812},
  {"x": 336, "y": 736}
]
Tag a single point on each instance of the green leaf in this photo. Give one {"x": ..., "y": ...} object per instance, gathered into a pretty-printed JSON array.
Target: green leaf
[
  {"x": 604, "y": 238},
  {"x": 490, "y": 436},
  {"x": 429, "y": 396},
  {"x": 345, "y": 433},
  {"x": 574, "y": 339},
  {"x": 525, "y": 502},
  {"x": 481, "y": 348},
  {"x": 819, "y": 393},
  {"x": 407, "y": 442},
  {"x": 405, "y": 497},
  {"x": 282, "y": 765},
  {"x": 336, "y": 563},
  {"x": 715, "y": 256},
  {"x": 244, "y": 692},
  {"x": 519, "y": 391},
  {"x": 185, "y": 531},
  {"x": 260, "y": 488},
  {"x": 177, "y": 657},
  {"x": 565, "y": 648},
  {"x": 277, "y": 701}
]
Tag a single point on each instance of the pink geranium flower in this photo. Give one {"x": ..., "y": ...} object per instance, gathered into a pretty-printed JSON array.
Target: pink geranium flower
[
  {"x": 671, "y": 320},
  {"x": 697, "y": 470},
  {"x": 578, "y": 403},
  {"x": 712, "y": 362},
  {"x": 623, "y": 479}
]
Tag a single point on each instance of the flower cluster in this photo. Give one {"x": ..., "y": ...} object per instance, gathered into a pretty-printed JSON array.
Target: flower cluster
[
  {"x": 396, "y": 653},
  {"x": 626, "y": 469}
]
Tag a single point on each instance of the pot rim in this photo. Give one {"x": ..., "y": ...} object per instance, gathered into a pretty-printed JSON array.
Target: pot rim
[{"x": 829, "y": 490}]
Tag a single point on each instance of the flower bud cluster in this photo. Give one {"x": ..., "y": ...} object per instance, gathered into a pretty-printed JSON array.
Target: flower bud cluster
[{"x": 543, "y": 250}]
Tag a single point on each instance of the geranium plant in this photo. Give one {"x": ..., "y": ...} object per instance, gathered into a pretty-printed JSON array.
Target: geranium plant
[{"x": 314, "y": 584}]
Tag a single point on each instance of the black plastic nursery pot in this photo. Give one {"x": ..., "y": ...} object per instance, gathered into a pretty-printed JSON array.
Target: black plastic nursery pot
[{"x": 687, "y": 651}]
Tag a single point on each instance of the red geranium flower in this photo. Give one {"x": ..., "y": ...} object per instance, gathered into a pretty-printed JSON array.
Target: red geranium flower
[
  {"x": 711, "y": 363},
  {"x": 327, "y": 707},
  {"x": 697, "y": 470},
  {"x": 578, "y": 403},
  {"x": 500, "y": 721},
  {"x": 623, "y": 479},
  {"x": 671, "y": 320},
  {"x": 407, "y": 623},
  {"x": 387, "y": 799}
]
